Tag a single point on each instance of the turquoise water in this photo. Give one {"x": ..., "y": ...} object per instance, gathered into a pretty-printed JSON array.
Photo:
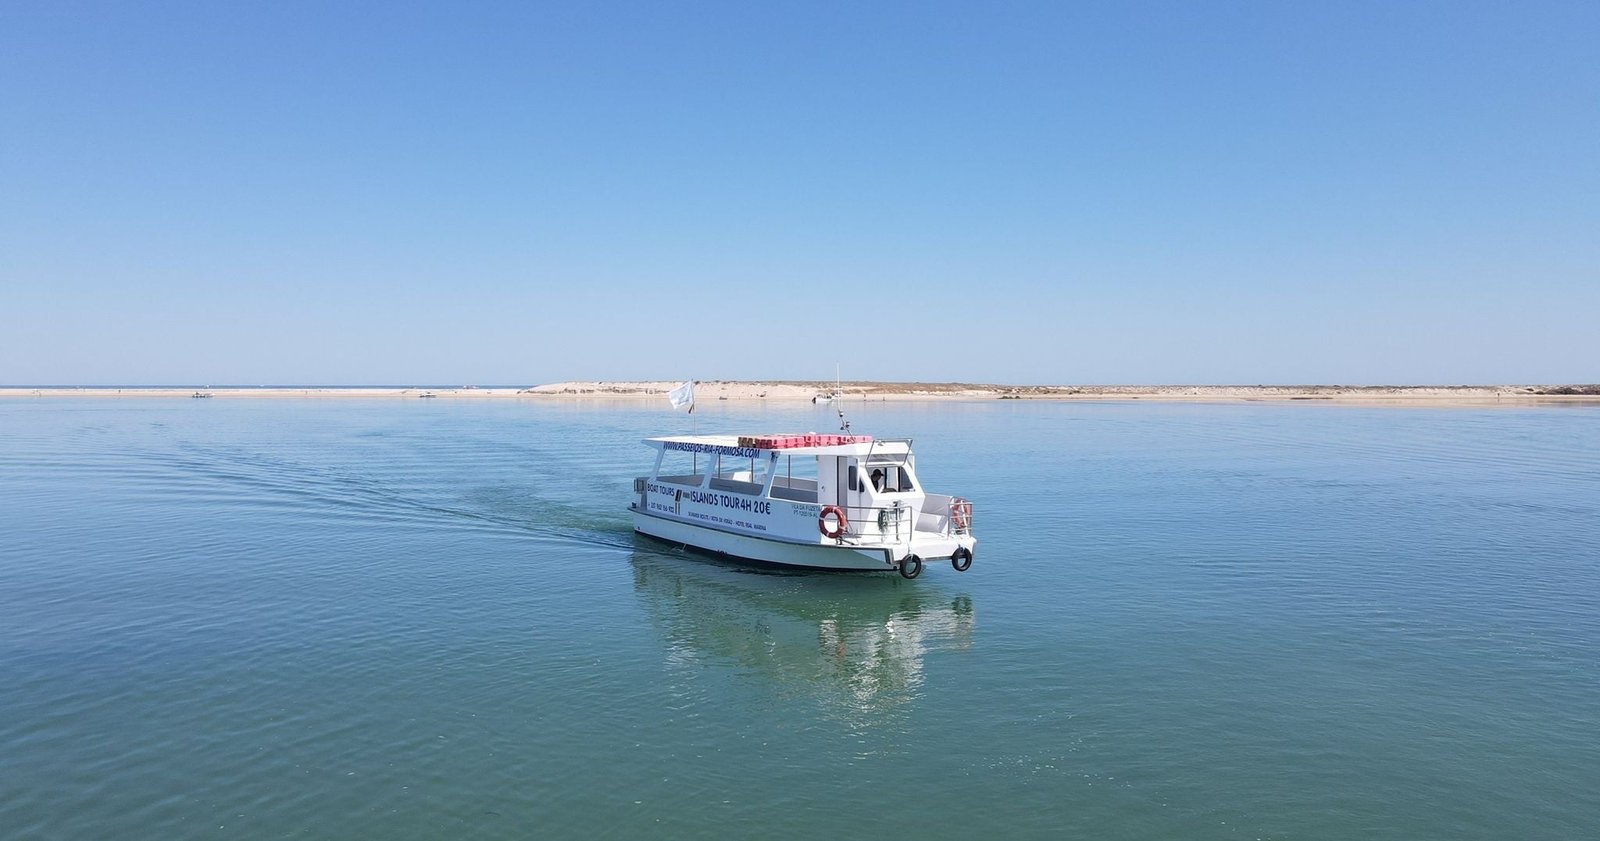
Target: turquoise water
[{"x": 427, "y": 619}]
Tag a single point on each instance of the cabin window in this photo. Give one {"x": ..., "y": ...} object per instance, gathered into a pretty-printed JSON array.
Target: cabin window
[
  {"x": 891, "y": 478},
  {"x": 796, "y": 478},
  {"x": 740, "y": 475},
  {"x": 683, "y": 468}
]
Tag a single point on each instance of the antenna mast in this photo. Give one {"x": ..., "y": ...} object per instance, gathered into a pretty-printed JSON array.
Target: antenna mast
[{"x": 838, "y": 400}]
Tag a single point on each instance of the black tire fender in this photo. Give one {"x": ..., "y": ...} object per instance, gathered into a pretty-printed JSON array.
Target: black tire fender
[{"x": 911, "y": 566}]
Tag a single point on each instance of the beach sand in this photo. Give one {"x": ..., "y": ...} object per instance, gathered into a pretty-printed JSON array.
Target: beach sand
[{"x": 1463, "y": 395}]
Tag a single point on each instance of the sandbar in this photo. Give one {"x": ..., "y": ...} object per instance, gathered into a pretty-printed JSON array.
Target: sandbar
[{"x": 791, "y": 390}]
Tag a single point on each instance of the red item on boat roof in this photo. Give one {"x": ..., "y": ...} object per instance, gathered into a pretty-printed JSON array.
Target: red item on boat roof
[{"x": 809, "y": 439}]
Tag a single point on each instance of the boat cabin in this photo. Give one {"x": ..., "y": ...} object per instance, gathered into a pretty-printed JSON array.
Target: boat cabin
[{"x": 873, "y": 481}]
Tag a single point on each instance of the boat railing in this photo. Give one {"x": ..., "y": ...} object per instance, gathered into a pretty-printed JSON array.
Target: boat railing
[
  {"x": 946, "y": 515},
  {"x": 875, "y": 521}
]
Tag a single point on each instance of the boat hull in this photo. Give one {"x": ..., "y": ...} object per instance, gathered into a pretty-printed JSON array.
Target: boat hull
[{"x": 817, "y": 556}]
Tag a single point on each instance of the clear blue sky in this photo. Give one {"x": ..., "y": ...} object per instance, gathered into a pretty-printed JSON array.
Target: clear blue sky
[{"x": 1205, "y": 192}]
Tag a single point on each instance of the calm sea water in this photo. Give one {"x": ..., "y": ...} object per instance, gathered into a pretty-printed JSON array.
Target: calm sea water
[{"x": 431, "y": 619}]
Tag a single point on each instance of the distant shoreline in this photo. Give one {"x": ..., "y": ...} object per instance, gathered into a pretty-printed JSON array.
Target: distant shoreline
[{"x": 788, "y": 390}]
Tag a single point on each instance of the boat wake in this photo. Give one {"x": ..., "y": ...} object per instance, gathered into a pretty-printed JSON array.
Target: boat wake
[{"x": 390, "y": 494}]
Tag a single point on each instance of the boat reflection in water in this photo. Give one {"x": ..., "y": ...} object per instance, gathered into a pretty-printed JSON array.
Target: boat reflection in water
[{"x": 855, "y": 642}]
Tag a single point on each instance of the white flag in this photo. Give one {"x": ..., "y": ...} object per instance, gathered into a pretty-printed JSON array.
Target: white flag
[{"x": 682, "y": 396}]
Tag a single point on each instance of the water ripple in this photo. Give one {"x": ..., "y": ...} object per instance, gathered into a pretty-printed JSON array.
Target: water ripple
[{"x": 397, "y": 620}]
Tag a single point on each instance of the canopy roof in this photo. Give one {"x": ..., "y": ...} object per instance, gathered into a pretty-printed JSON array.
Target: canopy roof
[{"x": 750, "y": 446}]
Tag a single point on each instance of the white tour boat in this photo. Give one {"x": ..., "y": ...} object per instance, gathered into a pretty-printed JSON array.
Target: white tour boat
[{"x": 834, "y": 502}]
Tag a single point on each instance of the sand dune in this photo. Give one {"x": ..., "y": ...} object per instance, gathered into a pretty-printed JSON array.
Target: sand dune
[{"x": 710, "y": 390}]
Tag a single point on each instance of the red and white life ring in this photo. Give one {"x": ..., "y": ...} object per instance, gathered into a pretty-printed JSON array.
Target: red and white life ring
[
  {"x": 832, "y": 522},
  {"x": 960, "y": 513}
]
